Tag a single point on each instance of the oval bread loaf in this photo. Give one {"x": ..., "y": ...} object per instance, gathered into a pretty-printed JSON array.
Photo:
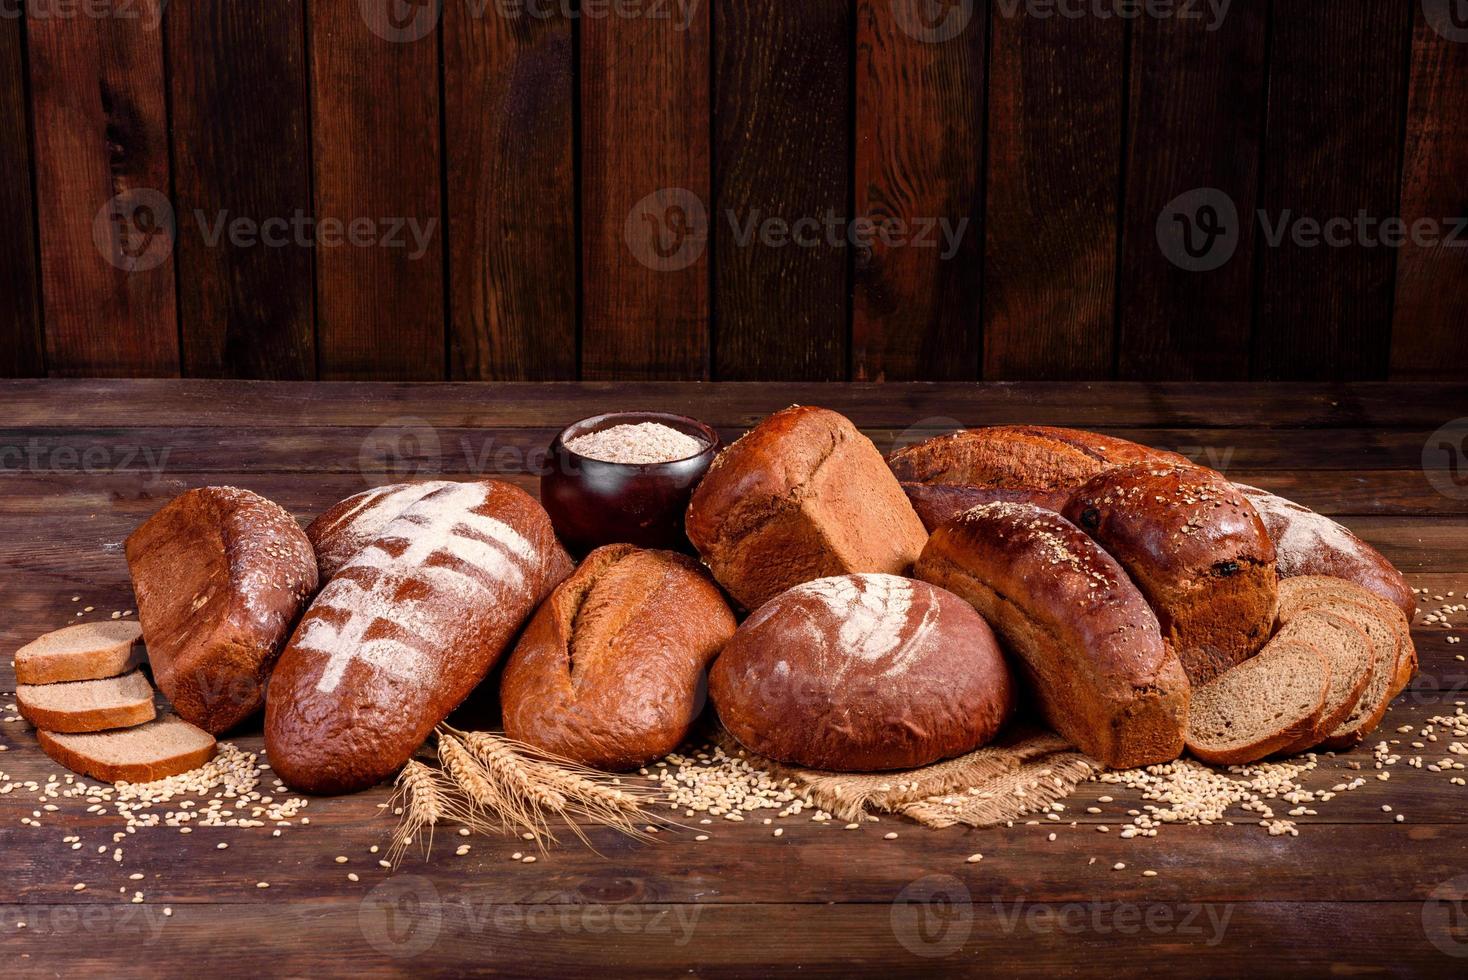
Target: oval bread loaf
[
  {"x": 610, "y": 673},
  {"x": 1019, "y": 457},
  {"x": 938, "y": 503},
  {"x": 352, "y": 524}
]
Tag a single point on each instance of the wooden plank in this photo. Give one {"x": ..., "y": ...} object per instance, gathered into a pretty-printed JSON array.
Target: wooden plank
[
  {"x": 22, "y": 349},
  {"x": 243, "y": 188},
  {"x": 1196, "y": 109},
  {"x": 645, "y": 192},
  {"x": 102, "y": 191},
  {"x": 1056, "y": 107},
  {"x": 375, "y": 146},
  {"x": 919, "y": 182},
  {"x": 1432, "y": 279},
  {"x": 1332, "y": 152},
  {"x": 511, "y": 193},
  {"x": 782, "y": 167}
]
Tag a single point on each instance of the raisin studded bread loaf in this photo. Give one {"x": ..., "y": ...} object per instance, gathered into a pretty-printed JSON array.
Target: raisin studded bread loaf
[
  {"x": 404, "y": 631},
  {"x": 800, "y": 496},
  {"x": 610, "y": 672},
  {"x": 221, "y": 577},
  {"x": 1019, "y": 457},
  {"x": 1091, "y": 648},
  {"x": 352, "y": 524}
]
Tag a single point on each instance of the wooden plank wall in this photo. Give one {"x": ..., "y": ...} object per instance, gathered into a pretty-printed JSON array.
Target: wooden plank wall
[{"x": 733, "y": 190}]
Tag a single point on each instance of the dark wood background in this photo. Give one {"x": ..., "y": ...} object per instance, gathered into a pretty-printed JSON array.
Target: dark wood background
[{"x": 552, "y": 151}]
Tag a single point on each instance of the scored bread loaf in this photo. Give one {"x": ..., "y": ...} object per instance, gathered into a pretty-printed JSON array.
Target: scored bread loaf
[
  {"x": 158, "y": 749},
  {"x": 221, "y": 577},
  {"x": 87, "y": 706},
  {"x": 1019, "y": 457},
  {"x": 800, "y": 496},
  {"x": 610, "y": 672},
  {"x": 861, "y": 673},
  {"x": 938, "y": 503},
  {"x": 1196, "y": 549},
  {"x": 1352, "y": 661},
  {"x": 1090, "y": 646},
  {"x": 81, "y": 652},
  {"x": 1260, "y": 707},
  {"x": 404, "y": 631},
  {"x": 352, "y": 524}
]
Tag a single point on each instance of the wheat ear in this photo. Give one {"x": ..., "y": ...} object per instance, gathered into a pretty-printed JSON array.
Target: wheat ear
[
  {"x": 495, "y": 791},
  {"x": 424, "y": 803}
]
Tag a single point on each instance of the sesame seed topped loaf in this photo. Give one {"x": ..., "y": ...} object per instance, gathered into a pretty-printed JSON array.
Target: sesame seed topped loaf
[
  {"x": 862, "y": 673},
  {"x": 1261, "y": 706},
  {"x": 1196, "y": 549},
  {"x": 938, "y": 503},
  {"x": 352, "y": 524},
  {"x": 801, "y": 496},
  {"x": 1091, "y": 648},
  {"x": 81, "y": 652},
  {"x": 404, "y": 631},
  {"x": 221, "y": 577}
]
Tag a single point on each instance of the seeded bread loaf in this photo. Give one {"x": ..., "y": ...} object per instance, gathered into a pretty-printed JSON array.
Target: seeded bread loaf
[
  {"x": 1089, "y": 645},
  {"x": 801, "y": 496},
  {"x": 610, "y": 672},
  {"x": 161, "y": 748},
  {"x": 81, "y": 652},
  {"x": 352, "y": 524},
  {"x": 87, "y": 706},
  {"x": 1019, "y": 457},
  {"x": 221, "y": 577},
  {"x": 1261, "y": 706}
]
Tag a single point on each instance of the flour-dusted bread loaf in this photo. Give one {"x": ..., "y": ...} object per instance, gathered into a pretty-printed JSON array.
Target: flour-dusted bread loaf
[
  {"x": 1261, "y": 706},
  {"x": 87, "y": 706},
  {"x": 350, "y": 525},
  {"x": 862, "y": 672},
  {"x": 611, "y": 671},
  {"x": 1090, "y": 646},
  {"x": 1308, "y": 543},
  {"x": 1352, "y": 659},
  {"x": 161, "y": 748},
  {"x": 81, "y": 652},
  {"x": 1019, "y": 457},
  {"x": 801, "y": 496},
  {"x": 404, "y": 631},
  {"x": 1197, "y": 550},
  {"x": 938, "y": 503},
  {"x": 221, "y": 577}
]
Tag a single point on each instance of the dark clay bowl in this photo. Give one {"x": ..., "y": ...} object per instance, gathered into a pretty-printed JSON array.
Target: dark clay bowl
[{"x": 593, "y": 502}]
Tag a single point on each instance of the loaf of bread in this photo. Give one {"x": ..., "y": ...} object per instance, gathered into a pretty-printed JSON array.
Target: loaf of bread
[
  {"x": 1197, "y": 550},
  {"x": 611, "y": 671},
  {"x": 860, "y": 673},
  {"x": 1019, "y": 457},
  {"x": 1089, "y": 645},
  {"x": 221, "y": 576},
  {"x": 352, "y": 524},
  {"x": 801, "y": 496},
  {"x": 404, "y": 631}
]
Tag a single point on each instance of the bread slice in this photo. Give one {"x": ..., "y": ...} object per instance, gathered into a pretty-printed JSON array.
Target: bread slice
[
  {"x": 1319, "y": 591},
  {"x": 1352, "y": 657},
  {"x": 83, "y": 652},
  {"x": 156, "y": 750},
  {"x": 1262, "y": 705},
  {"x": 87, "y": 706}
]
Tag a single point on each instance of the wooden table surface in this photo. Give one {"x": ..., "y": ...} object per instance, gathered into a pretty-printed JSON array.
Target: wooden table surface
[{"x": 83, "y": 462}]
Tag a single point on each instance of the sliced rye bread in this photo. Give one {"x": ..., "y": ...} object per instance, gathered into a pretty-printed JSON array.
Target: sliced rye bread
[
  {"x": 161, "y": 748},
  {"x": 81, "y": 652},
  {"x": 1260, "y": 706},
  {"x": 1353, "y": 659},
  {"x": 1318, "y": 591},
  {"x": 87, "y": 706}
]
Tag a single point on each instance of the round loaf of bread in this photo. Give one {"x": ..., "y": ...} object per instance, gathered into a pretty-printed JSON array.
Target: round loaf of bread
[{"x": 865, "y": 672}]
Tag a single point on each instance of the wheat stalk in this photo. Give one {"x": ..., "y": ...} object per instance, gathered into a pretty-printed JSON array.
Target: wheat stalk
[
  {"x": 495, "y": 790},
  {"x": 421, "y": 797}
]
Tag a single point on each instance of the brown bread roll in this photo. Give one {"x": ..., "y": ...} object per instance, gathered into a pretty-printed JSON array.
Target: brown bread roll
[
  {"x": 221, "y": 577},
  {"x": 610, "y": 672},
  {"x": 1087, "y": 641},
  {"x": 404, "y": 631},
  {"x": 1195, "y": 547},
  {"x": 938, "y": 503},
  {"x": 801, "y": 496},
  {"x": 1019, "y": 457},
  {"x": 860, "y": 673},
  {"x": 352, "y": 524}
]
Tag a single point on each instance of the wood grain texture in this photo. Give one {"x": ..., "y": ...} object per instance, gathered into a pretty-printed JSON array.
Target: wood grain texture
[
  {"x": 1432, "y": 279},
  {"x": 782, "y": 172},
  {"x": 375, "y": 146},
  {"x": 1332, "y": 151},
  {"x": 1056, "y": 105},
  {"x": 511, "y": 194},
  {"x": 645, "y": 192},
  {"x": 102, "y": 191},
  {"x": 22, "y": 347},
  {"x": 246, "y": 294},
  {"x": 919, "y": 183},
  {"x": 1196, "y": 106}
]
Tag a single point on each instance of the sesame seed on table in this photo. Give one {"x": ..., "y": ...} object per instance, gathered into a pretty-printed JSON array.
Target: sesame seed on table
[{"x": 742, "y": 878}]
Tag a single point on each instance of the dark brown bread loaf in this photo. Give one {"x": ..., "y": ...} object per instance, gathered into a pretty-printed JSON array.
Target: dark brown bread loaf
[
  {"x": 938, "y": 503},
  {"x": 801, "y": 496},
  {"x": 1197, "y": 550},
  {"x": 1019, "y": 457},
  {"x": 404, "y": 631},
  {"x": 860, "y": 673},
  {"x": 352, "y": 524},
  {"x": 1090, "y": 646},
  {"x": 1308, "y": 543},
  {"x": 610, "y": 672},
  {"x": 221, "y": 577}
]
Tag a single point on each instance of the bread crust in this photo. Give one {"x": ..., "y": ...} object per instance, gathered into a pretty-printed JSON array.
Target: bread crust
[
  {"x": 610, "y": 672},
  {"x": 1019, "y": 457},
  {"x": 1336, "y": 714},
  {"x": 1279, "y": 740}
]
